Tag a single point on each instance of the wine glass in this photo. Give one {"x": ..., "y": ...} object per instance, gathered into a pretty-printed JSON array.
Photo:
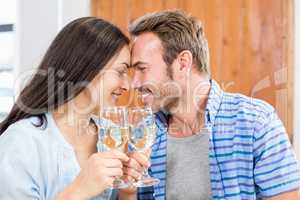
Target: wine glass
[
  {"x": 142, "y": 136},
  {"x": 113, "y": 134}
]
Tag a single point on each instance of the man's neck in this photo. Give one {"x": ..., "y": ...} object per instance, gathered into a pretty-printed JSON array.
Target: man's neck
[{"x": 189, "y": 116}]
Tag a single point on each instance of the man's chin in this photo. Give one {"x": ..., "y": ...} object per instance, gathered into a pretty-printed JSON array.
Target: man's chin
[
  {"x": 169, "y": 106},
  {"x": 153, "y": 105},
  {"x": 155, "y": 108},
  {"x": 162, "y": 105}
]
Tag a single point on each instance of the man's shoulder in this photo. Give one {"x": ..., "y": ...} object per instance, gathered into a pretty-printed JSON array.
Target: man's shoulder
[{"x": 242, "y": 106}]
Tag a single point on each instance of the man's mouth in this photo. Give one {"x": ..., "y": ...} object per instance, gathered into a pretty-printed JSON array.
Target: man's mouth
[
  {"x": 146, "y": 94},
  {"x": 145, "y": 91}
]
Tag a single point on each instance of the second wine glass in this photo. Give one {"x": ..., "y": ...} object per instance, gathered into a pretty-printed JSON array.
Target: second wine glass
[{"x": 142, "y": 136}]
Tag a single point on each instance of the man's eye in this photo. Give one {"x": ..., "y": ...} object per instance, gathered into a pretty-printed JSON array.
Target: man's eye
[{"x": 141, "y": 68}]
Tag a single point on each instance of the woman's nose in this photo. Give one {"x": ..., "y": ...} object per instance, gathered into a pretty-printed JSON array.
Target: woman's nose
[{"x": 126, "y": 84}]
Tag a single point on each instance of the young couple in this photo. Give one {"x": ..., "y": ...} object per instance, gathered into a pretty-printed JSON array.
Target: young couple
[{"x": 210, "y": 144}]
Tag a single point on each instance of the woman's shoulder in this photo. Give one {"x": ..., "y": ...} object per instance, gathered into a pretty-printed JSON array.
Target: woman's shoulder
[
  {"x": 22, "y": 130},
  {"x": 21, "y": 159},
  {"x": 21, "y": 137}
]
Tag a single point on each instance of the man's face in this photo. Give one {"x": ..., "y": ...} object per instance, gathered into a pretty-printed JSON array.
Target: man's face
[{"x": 151, "y": 76}]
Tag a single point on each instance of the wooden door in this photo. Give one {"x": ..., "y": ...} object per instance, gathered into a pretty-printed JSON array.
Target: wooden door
[{"x": 251, "y": 42}]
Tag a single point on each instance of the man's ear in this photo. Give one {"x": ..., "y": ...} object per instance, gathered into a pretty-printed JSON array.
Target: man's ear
[{"x": 185, "y": 60}]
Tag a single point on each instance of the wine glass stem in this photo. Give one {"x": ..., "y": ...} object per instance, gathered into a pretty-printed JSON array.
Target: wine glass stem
[{"x": 145, "y": 173}]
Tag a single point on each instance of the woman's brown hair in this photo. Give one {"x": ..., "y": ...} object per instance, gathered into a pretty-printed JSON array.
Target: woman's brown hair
[{"x": 75, "y": 57}]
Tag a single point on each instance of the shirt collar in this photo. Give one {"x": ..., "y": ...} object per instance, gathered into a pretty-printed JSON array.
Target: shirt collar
[
  {"x": 162, "y": 121},
  {"x": 213, "y": 105},
  {"x": 214, "y": 102}
]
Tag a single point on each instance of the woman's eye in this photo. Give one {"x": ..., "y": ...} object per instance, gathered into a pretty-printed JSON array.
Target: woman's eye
[{"x": 122, "y": 72}]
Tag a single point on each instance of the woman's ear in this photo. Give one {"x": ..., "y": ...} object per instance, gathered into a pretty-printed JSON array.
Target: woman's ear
[{"x": 185, "y": 60}]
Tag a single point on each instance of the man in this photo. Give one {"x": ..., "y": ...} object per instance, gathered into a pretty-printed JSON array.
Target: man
[{"x": 210, "y": 144}]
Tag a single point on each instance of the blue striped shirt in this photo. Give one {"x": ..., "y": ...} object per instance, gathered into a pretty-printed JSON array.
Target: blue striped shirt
[{"x": 250, "y": 155}]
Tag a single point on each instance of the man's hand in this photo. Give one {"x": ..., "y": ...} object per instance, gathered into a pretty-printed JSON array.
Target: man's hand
[
  {"x": 137, "y": 163},
  {"x": 133, "y": 170}
]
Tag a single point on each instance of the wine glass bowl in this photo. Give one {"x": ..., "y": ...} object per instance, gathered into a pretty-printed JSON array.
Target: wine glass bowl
[{"x": 142, "y": 136}]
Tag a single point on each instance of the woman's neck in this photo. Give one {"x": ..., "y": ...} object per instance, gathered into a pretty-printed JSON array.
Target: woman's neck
[{"x": 78, "y": 130}]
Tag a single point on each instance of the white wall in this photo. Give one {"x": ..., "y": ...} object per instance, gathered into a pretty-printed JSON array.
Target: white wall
[
  {"x": 72, "y": 9},
  {"x": 297, "y": 80},
  {"x": 35, "y": 27},
  {"x": 38, "y": 21}
]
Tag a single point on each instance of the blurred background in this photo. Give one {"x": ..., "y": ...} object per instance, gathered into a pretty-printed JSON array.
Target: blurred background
[{"x": 254, "y": 44}]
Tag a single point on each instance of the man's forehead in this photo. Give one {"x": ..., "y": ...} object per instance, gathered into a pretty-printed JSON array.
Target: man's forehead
[
  {"x": 145, "y": 46},
  {"x": 147, "y": 41}
]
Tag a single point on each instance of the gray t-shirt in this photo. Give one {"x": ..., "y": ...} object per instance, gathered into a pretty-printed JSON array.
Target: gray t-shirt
[{"x": 188, "y": 168}]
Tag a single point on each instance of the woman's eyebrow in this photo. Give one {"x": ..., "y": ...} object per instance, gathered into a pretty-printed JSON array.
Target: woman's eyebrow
[{"x": 126, "y": 64}]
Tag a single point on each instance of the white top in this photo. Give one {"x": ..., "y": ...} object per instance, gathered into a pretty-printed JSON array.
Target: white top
[{"x": 36, "y": 163}]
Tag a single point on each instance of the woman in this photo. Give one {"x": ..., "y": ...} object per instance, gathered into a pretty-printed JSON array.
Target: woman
[{"x": 48, "y": 142}]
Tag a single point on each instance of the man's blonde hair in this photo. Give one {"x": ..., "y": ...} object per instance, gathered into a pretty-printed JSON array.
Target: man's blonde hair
[{"x": 177, "y": 31}]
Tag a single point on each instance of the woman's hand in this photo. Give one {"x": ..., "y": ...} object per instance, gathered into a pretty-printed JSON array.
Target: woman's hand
[{"x": 97, "y": 175}]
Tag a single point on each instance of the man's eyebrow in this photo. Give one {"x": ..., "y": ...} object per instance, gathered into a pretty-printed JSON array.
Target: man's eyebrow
[{"x": 138, "y": 63}]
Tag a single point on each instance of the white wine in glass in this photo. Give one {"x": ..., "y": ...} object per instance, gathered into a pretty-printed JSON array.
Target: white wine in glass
[
  {"x": 114, "y": 138},
  {"x": 142, "y": 136},
  {"x": 113, "y": 134}
]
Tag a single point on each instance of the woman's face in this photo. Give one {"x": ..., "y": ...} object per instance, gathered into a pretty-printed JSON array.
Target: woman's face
[{"x": 111, "y": 82}]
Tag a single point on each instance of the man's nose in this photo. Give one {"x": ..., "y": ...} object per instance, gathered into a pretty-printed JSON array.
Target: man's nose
[{"x": 136, "y": 81}]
